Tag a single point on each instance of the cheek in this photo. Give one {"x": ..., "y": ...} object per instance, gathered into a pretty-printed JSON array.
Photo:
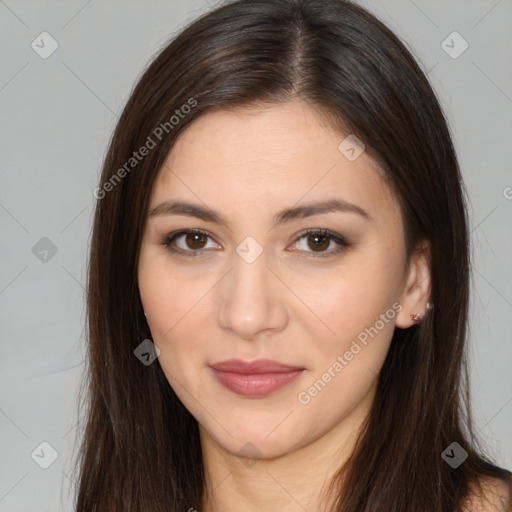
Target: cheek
[
  {"x": 354, "y": 300},
  {"x": 165, "y": 303},
  {"x": 167, "y": 296},
  {"x": 345, "y": 363},
  {"x": 358, "y": 305}
]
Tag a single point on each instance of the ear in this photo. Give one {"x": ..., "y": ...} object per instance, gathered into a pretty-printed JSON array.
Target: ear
[{"x": 417, "y": 288}]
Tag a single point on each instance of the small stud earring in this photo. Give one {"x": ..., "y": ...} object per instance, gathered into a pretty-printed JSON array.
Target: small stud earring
[
  {"x": 416, "y": 317},
  {"x": 144, "y": 313}
]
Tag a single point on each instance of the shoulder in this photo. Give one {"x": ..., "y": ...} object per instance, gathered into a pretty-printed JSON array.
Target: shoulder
[{"x": 495, "y": 495}]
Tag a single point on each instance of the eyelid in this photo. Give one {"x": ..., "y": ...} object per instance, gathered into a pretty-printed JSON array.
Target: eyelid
[
  {"x": 168, "y": 239},
  {"x": 335, "y": 237}
]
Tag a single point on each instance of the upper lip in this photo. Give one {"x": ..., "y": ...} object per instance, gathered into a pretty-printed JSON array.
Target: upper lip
[{"x": 256, "y": 366}]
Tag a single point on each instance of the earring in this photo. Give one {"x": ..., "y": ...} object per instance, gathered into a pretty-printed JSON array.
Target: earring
[
  {"x": 144, "y": 313},
  {"x": 417, "y": 317}
]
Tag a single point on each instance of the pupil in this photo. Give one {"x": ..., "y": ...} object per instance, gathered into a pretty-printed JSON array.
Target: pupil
[
  {"x": 192, "y": 240},
  {"x": 321, "y": 245}
]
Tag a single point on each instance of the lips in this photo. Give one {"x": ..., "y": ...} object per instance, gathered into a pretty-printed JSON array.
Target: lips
[
  {"x": 255, "y": 378},
  {"x": 256, "y": 366}
]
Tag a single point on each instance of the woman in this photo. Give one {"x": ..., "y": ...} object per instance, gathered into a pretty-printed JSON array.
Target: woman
[{"x": 278, "y": 283}]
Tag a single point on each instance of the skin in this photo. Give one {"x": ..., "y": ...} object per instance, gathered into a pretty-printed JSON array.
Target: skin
[
  {"x": 495, "y": 495},
  {"x": 287, "y": 305}
]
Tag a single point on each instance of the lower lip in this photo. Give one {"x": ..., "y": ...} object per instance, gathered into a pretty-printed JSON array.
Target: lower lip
[{"x": 256, "y": 384}]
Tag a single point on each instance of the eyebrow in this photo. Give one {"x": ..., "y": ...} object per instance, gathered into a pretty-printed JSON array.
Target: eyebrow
[{"x": 299, "y": 212}]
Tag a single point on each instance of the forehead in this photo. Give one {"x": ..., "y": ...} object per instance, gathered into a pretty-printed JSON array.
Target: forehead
[{"x": 273, "y": 156}]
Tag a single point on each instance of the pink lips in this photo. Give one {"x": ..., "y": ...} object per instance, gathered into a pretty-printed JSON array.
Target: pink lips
[{"x": 254, "y": 378}]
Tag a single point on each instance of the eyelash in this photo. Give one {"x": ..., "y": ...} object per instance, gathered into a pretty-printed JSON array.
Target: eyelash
[{"x": 340, "y": 240}]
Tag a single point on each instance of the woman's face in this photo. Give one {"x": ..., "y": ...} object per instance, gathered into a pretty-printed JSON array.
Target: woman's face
[{"x": 256, "y": 286}]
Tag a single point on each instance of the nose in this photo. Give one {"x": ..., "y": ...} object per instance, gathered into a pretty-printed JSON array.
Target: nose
[{"x": 251, "y": 300}]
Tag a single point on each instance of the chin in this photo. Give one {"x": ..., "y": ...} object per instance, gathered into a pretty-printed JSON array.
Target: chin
[{"x": 265, "y": 441}]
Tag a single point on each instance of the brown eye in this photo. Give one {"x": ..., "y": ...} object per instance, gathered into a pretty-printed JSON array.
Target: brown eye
[
  {"x": 318, "y": 242},
  {"x": 189, "y": 243},
  {"x": 195, "y": 240}
]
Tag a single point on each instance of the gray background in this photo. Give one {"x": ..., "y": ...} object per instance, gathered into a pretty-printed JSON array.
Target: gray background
[{"x": 57, "y": 116}]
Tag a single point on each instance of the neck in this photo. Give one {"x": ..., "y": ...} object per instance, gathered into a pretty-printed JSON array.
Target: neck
[{"x": 295, "y": 480}]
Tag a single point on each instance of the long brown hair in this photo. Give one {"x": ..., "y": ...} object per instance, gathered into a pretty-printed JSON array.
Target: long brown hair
[{"x": 140, "y": 446}]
